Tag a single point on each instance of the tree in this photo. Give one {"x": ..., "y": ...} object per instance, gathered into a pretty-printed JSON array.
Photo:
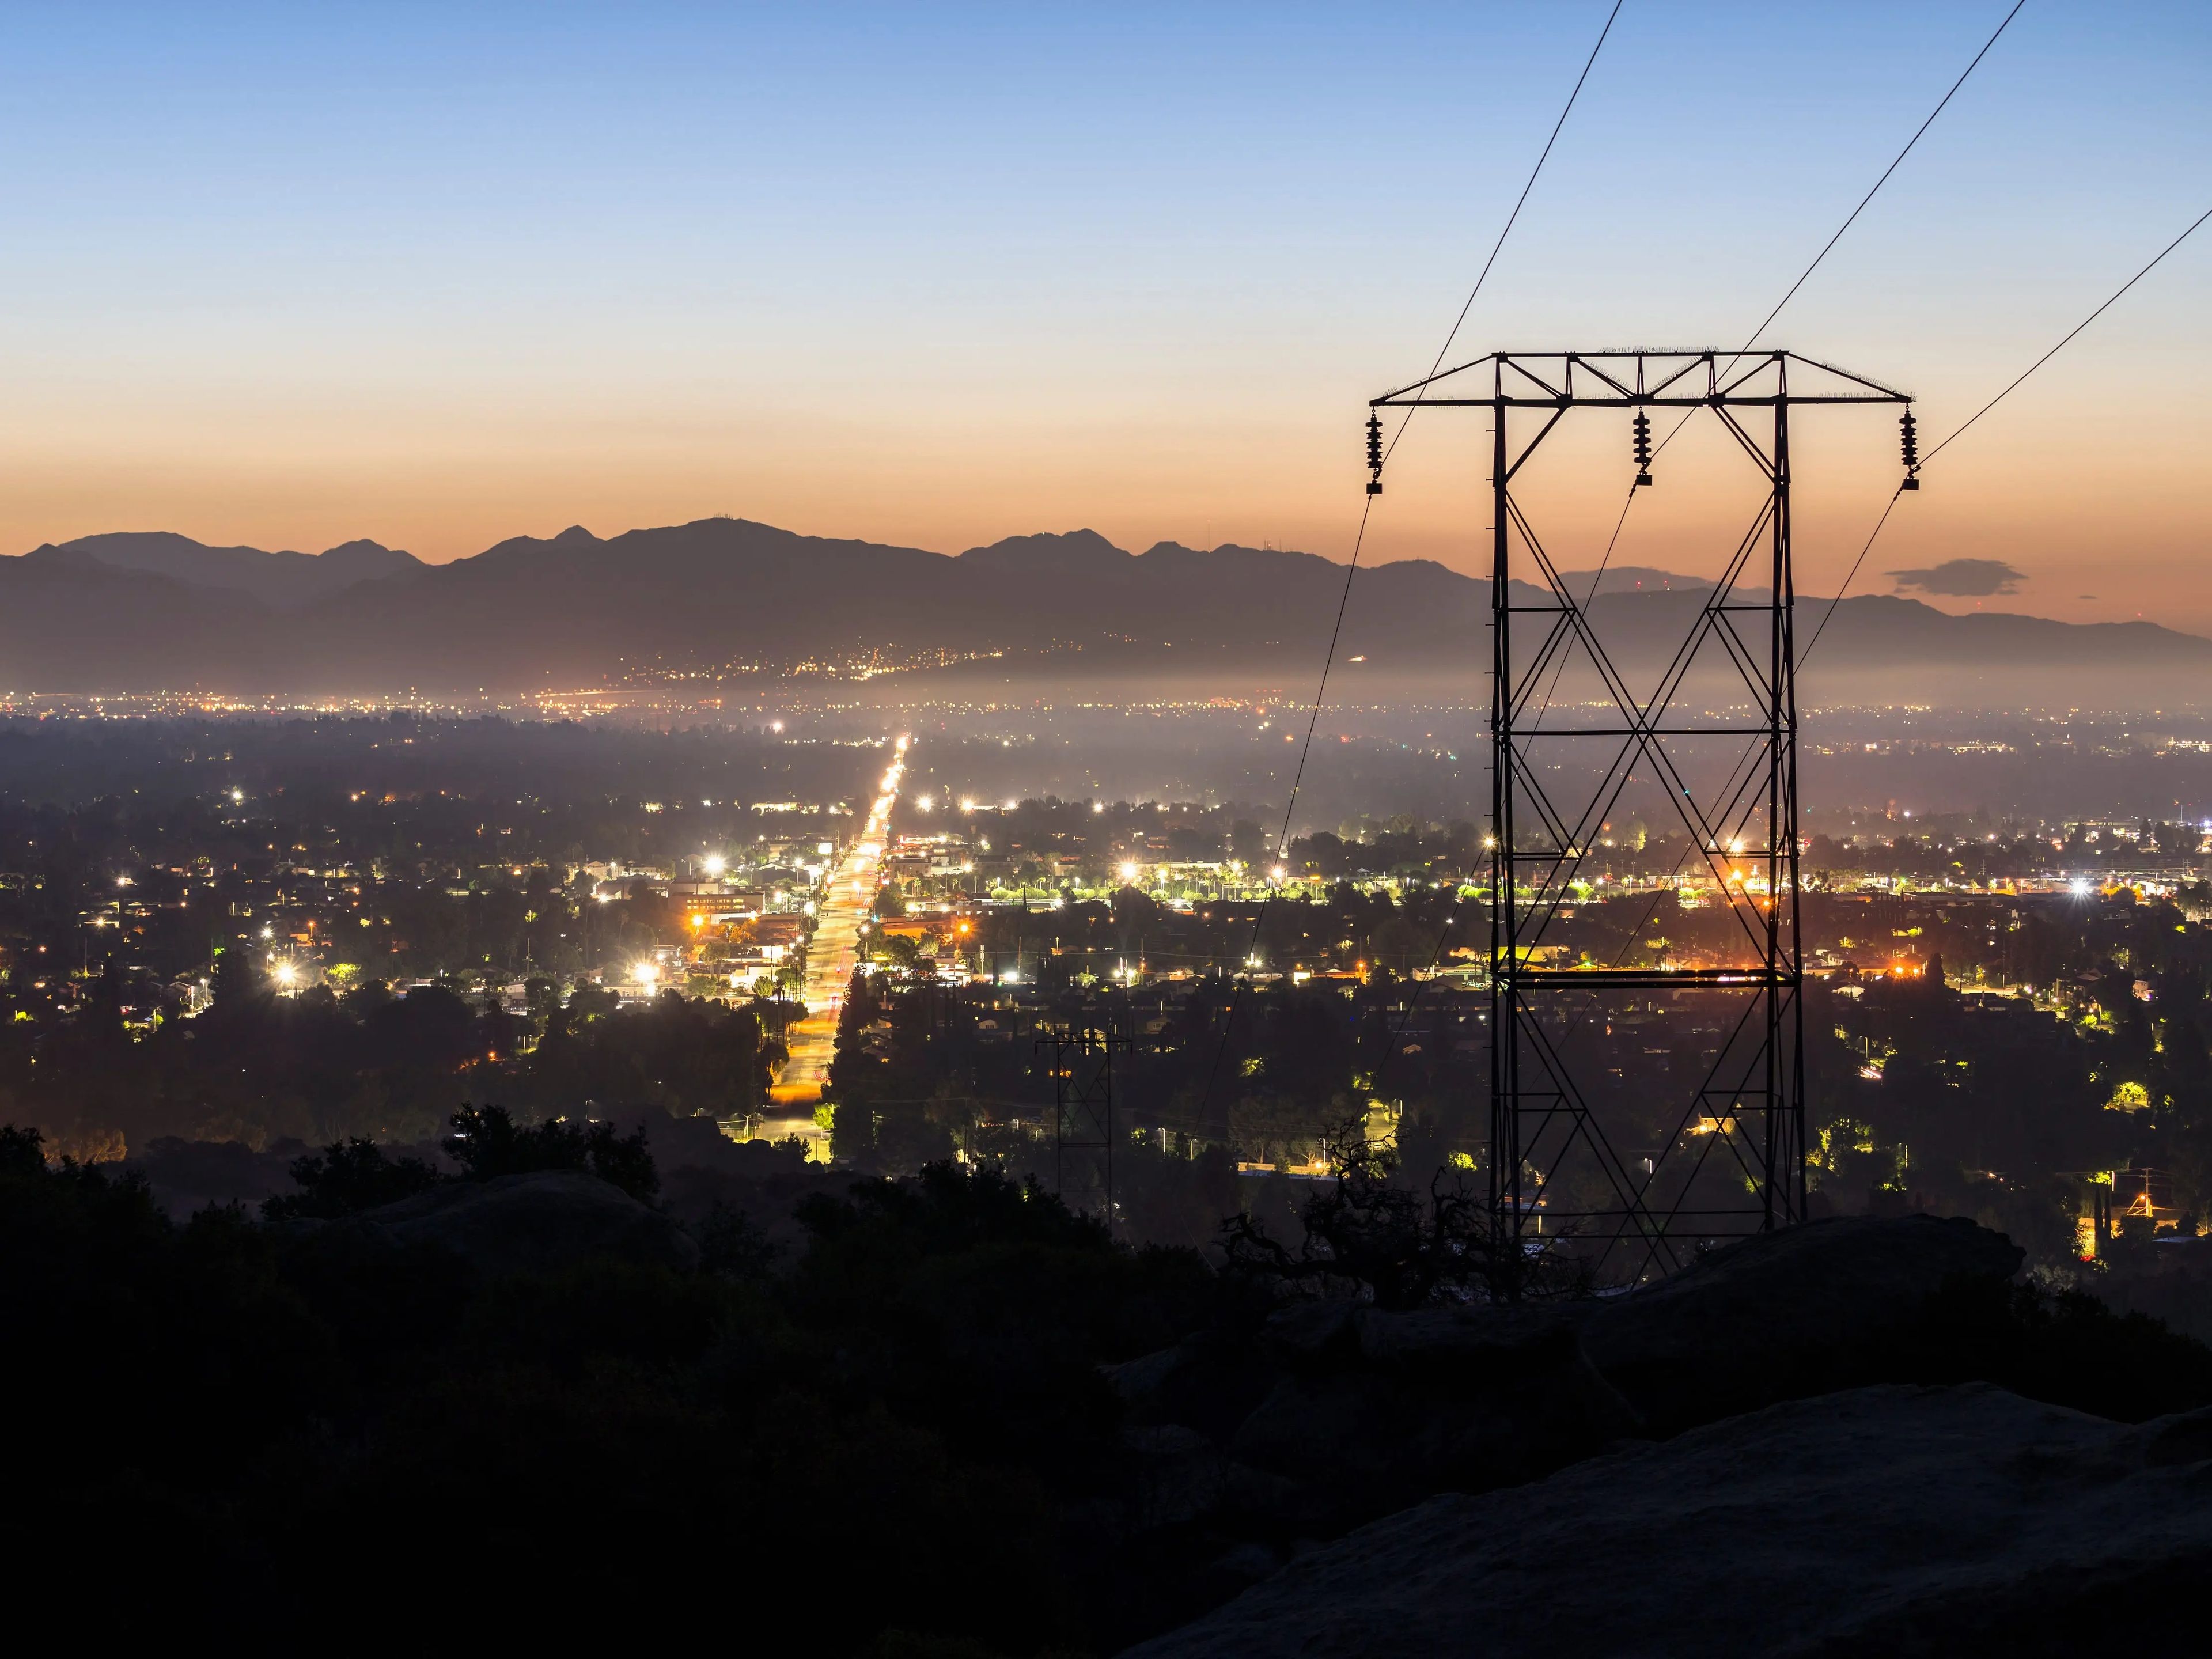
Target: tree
[
  {"x": 487, "y": 1143},
  {"x": 1401, "y": 1248},
  {"x": 236, "y": 981},
  {"x": 346, "y": 1178}
]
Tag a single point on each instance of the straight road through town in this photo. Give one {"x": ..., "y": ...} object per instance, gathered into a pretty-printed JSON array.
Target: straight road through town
[{"x": 848, "y": 894}]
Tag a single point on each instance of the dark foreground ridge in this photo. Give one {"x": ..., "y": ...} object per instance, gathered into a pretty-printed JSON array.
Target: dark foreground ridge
[
  {"x": 528, "y": 1385},
  {"x": 1878, "y": 1521},
  {"x": 1334, "y": 1414}
]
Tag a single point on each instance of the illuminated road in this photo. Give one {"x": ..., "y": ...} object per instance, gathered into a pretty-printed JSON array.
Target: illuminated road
[{"x": 848, "y": 892}]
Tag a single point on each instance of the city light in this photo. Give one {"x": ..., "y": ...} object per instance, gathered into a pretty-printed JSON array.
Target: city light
[
  {"x": 286, "y": 975},
  {"x": 1128, "y": 873},
  {"x": 1278, "y": 873},
  {"x": 644, "y": 973},
  {"x": 714, "y": 865},
  {"x": 967, "y": 803},
  {"x": 2078, "y": 887},
  {"x": 926, "y": 803}
]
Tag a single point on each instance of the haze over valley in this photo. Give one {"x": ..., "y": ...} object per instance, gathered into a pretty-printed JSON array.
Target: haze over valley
[{"x": 726, "y": 607}]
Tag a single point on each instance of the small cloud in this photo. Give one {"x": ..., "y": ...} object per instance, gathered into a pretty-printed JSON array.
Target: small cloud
[
  {"x": 1965, "y": 579},
  {"x": 2088, "y": 595}
]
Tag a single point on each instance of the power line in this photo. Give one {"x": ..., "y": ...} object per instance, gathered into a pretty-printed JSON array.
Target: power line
[
  {"x": 1854, "y": 571},
  {"x": 2069, "y": 335},
  {"x": 1752, "y": 339},
  {"x": 1896, "y": 496},
  {"x": 1884, "y": 179},
  {"x": 1829, "y": 245},
  {"x": 1351, "y": 570},
  {"x": 1460, "y": 320},
  {"x": 1880, "y": 523},
  {"x": 1959, "y": 431}
]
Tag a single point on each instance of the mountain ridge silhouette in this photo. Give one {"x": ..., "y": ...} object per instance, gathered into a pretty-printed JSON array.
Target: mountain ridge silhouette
[{"x": 736, "y": 599}]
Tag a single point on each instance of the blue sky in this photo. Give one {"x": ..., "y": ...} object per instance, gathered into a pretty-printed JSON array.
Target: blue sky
[{"x": 937, "y": 275}]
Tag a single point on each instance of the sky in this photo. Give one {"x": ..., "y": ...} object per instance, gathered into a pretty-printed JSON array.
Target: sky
[{"x": 437, "y": 275}]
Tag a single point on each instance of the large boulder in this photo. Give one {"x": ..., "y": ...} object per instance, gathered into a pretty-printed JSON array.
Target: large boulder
[
  {"x": 1334, "y": 1412},
  {"x": 1337, "y": 1413},
  {"x": 1805, "y": 1311},
  {"x": 1444, "y": 1399},
  {"x": 1880, "y": 1521},
  {"x": 532, "y": 1224}
]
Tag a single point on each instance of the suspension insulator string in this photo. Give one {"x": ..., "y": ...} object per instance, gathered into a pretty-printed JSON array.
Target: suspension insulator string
[
  {"x": 1375, "y": 454},
  {"x": 1641, "y": 447},
  {"x": 1908, "y": 431}
]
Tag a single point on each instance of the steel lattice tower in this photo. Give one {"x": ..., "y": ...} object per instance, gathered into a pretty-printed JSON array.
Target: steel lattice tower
[
  {"x": 1724, "y": 1154},
  {"x": 1083, "y": 1116}
]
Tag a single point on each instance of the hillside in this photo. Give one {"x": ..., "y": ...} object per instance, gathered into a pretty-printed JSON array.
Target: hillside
[
  {"x": 282, "y": 581},
  {"x": 745, "y": 604}
]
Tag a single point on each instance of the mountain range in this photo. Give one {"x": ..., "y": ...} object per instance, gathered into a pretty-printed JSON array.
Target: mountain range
[
  {"x": 733, "y": 600},
  {"x": 282, "y": 581}
]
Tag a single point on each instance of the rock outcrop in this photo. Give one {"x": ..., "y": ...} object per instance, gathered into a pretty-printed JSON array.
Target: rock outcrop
[
  {"x": 1880, "y": 1521},
  {"x": 1337, "y": 1413},
  {"x": 535, "y": 1222},
  {"x": 1805, "y": 1311}
]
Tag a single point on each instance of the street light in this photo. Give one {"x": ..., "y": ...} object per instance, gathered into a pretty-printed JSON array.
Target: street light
[{"x": 714, "y": 865}]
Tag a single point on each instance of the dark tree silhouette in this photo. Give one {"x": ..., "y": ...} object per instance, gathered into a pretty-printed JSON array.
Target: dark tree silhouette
[
  {"x": 346, "y": 1178},
  {"x": 487, "y": 1143},
  {"x": 1366, "y": 1236}
]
